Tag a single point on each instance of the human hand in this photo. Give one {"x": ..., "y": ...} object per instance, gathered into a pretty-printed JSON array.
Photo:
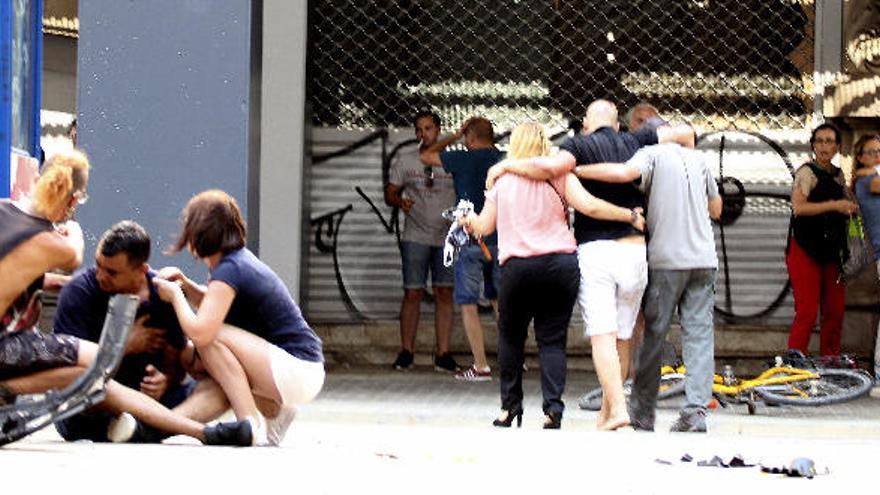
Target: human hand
[
  {"x": 639, "y": 221},
  {"x": 70, "y": 228},
  {"x": 171, "y": 273},
  {"x": 154, "y": 383},
  {"x": 406, "y": 204},
  {"x": 495, "y": 171},
  {"x": 144, "y": 339},
  {"x": 845, "y": 207},
  {"x": 464, "y": 127},
  {"x": 167, "y": 289},
  {"x": 466, "y": 222}
]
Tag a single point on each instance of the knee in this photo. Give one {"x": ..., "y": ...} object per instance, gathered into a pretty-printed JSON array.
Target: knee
[
  {"x": 413, "y": 295},
  {"x": 443, "y": 295}
]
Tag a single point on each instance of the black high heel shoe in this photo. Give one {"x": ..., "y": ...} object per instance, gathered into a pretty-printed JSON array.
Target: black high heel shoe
[
  {"x": 553, "y": 421},
  {"x": 516, "y": 412}
]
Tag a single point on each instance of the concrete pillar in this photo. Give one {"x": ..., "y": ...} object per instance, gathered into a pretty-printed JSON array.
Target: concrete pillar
[{"x": 283, "y": 150}]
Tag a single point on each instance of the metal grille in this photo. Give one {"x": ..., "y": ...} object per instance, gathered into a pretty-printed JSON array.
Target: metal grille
[{"x": 721, "y": 64}]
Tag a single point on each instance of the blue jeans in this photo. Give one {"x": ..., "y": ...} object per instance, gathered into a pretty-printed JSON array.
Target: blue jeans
[
  {"x": 469, "y": 273},
  {"x": 417, "y": 259},
  {"x": 693, "y": 291}
]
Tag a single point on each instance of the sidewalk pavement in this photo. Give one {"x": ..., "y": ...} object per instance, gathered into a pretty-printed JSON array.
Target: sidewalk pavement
[{"x": 381, "y": 431}]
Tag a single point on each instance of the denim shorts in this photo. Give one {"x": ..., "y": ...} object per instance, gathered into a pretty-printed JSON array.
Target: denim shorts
[
  {"x": 417, "y": 260},
  {"x": 469, "y": 273}
]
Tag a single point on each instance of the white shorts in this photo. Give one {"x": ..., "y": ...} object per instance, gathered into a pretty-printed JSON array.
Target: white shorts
[
  {"x": 297, "y": 380},
  {"x": 613, "y": 279}
]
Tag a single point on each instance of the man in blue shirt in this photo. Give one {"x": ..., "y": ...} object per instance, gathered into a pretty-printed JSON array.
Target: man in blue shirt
[
  {"x": 468, "y": 169},
  {"x": 152, "y": 361}
]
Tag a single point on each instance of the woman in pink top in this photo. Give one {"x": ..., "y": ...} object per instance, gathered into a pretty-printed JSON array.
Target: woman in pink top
[{"x": 539, "y": 270}]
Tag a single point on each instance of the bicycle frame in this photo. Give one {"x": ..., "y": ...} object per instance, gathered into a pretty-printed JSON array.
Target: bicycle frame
[{"x": 777, "y": 375}]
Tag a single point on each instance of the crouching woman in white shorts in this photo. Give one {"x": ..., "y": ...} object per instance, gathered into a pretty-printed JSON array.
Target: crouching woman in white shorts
[{"x": 250, "y": 334}]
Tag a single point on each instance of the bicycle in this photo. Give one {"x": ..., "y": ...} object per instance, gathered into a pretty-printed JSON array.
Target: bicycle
[{"x": 784, "y": 383}]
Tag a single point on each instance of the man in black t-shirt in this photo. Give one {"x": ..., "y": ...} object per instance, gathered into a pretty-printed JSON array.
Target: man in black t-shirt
[{"x": 611, "y": 255}]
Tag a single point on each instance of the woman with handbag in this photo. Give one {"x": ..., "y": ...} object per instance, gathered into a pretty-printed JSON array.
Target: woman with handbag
[
  {"x": 820, "y": 212},
  {"x": 539, "y": 270},
  {"x": 866, "y": 185}
]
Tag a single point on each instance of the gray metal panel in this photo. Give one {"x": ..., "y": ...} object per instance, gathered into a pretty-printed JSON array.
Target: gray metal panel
[{"x": 163, "y": 100}]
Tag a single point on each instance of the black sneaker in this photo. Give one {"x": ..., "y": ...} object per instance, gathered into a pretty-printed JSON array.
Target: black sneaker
[
  {"x": 235, "y": 433},
  {"x": 690, "y": 422},
  {"x": 444, "y": 362},
  {"x": 404, "y": 360}
]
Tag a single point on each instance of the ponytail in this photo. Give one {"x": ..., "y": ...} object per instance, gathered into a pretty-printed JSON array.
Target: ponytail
[{"x": 65, "y": 173}]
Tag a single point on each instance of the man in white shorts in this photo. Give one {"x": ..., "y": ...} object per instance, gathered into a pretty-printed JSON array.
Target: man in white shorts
[{"x": 612, "y": 255}]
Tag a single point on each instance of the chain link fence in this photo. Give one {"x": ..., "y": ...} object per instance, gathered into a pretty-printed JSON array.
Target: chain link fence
[{"x": 744, "y": 64}]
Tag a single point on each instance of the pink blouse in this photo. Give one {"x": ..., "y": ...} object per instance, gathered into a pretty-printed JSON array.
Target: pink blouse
[{"x": 531, "y": 217}]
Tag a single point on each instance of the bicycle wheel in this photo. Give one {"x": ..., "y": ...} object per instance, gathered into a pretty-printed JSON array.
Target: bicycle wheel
[
  {"x": 671, "y": 384},
  {"x": 832, "y": 387}
]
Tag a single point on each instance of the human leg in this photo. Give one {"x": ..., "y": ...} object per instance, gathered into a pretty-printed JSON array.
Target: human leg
[
  {"x": 468, "y": 279},
  {"x": 513, "y": 325},
  {"x": 833, "y": 309},
  {"x": 806, "y": 277},
  {"x": 557, "y": 280},
  {"x": 442, "y": 282},
  {"x": 410, "y": 310},
  {"x": 661, "y": 297},
  {"x": 443, "y": 312},
  {"x": 698, "y": 338},
  {"x": 206, "y": 403}
]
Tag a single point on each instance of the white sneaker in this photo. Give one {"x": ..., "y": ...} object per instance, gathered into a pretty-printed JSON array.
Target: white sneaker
[
  {"x": 277, "y": 427},
  {"x": 258, "y": 429},
  {"x": 121, "y": 428},
  {"x": 875, "y": 392}
]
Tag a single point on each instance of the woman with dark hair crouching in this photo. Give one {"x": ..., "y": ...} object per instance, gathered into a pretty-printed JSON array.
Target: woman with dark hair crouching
[{"x": 247, "y": 330}]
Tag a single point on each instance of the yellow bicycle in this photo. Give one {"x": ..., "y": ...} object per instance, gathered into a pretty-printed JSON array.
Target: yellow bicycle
[{"x": 782, "y": 384}]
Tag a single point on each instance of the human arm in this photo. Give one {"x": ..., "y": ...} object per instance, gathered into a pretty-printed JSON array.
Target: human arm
[
  {"x": 586, "y": 203},
  {"x": 201, "y": 326},
  {"x": 484, "y": 223},
  {"x": 682, "y": 134},
  {"x": 715, "y": 205},
  {"x": 55, "y": 281},
  {"x": 394, "y": 198},
  {"x": 608, "y": 172},
  {"x": 431, "y": 154},
  {"x": 802, "y": 207},
  {"x": 535, "y": 168},
  {"x": 66, "y": 246},
  {"x": 194, "y": 292}
]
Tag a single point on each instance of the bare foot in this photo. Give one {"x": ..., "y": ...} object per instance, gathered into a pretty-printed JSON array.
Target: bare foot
[{"x": 613, "y": 424}]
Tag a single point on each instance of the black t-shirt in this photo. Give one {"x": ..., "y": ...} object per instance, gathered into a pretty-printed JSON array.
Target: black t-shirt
[
  {"x": 601, "y": 146},
  {"x": 263, "y": 305},
  {"x": 82, "y": 308}
]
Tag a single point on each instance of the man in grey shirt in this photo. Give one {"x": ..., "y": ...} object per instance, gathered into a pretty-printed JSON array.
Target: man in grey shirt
[
  {"x": 681, "y": 197},
  {"x": 422, "y": 193}
]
